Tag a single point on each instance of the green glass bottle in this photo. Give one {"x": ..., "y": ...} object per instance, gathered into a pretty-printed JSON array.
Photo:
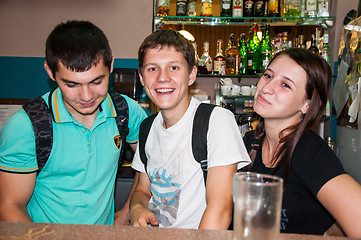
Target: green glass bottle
[
  {"x": 266, "y": 48},
  {"x": 242, "y": 46},
  {"x": 253, "y": 52}
]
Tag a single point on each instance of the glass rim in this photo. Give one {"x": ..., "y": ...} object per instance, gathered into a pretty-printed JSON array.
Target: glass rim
[{"x": 273, "y": 180}]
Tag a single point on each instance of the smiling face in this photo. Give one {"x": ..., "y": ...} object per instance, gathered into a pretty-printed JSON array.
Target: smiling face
[
  {"x": 166, "y": 78},
  {"x": 82, "y": 92},
  {"x": 281, "y": 92}
]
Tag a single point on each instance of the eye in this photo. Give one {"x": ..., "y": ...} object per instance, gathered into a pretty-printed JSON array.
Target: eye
[
  {"x": 266, "y": 75},
  {"x": 152, "y": 69},
  {"x": 70, "y": 85},
  {"x": 286, "y": 85},
  {"x": 97, "y": 82},
  {"x": 174, "y": 68}
]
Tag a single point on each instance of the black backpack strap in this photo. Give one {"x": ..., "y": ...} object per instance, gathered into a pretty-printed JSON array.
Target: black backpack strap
[
  {"x": 199, "y": 135},
  {"x": 122, "y": 119},
  {"x": 143, "y": 135},
  {"x": 41, "y": 119}
]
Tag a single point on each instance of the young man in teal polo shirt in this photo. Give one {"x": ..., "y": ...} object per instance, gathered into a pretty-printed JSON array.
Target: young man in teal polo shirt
[{"x": 77, "y": 183}]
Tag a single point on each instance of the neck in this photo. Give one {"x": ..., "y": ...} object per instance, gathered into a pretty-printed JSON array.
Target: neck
[{"x": 172, "y": 116}]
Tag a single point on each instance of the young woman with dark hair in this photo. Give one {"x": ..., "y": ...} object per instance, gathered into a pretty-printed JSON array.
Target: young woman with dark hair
[{"x": 319, "y": 197}]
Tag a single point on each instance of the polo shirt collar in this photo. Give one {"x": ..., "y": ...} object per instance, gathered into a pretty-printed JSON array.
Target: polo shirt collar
[{"x": 61, "y": 113}]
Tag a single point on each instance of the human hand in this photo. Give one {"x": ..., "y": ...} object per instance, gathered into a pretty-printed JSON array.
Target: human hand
[
  {"x": 141, "y": 216},
  {"x": 121, "y": 217}
]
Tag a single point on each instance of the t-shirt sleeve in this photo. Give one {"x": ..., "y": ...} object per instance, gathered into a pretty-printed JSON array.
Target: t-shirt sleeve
[
  {"x": 17, "y": 145},
  {"x": 136, "y": 116},
  {"x": 225, "y": 143},
  {"x": 315, "y": 163},
  {"x": 137, "y": 163}
]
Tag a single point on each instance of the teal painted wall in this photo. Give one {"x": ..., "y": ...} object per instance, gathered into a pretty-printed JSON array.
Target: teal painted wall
[{"x": 25, "y": 77}]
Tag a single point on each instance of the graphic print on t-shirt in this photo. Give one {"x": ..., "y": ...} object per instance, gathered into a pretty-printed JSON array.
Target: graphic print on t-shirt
[{"x": 165, "y": 197}]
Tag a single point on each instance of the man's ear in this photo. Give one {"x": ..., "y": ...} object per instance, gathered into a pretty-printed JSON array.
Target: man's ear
[
  {"x": 111, "y": 65},
  {"x": 192, "y": 75},
  {"x": 46, "y": 66},
  {"x": 141, "y": 77}
]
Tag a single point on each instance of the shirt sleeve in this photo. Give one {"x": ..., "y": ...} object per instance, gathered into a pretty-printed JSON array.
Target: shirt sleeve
[
  {"x": 137, "y": 163},
  {"x": 225, "y": 143},
  {"x": 315, "y": 163},
  {"x": 17, "y": 145},
  {"x": 136, "y": 116}
]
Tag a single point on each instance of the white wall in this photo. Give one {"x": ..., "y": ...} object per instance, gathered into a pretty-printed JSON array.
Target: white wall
[{"x": 25, "y": 24}]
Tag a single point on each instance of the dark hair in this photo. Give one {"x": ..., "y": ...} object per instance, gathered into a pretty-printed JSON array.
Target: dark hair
[
  {"x": 167, "y": 38},
  {"x": 318, "y": 84},
  {"x": 79, "y": 45}
]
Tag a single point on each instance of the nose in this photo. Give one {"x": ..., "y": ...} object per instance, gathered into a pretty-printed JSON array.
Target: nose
[
  {"x": 163, "y": 75},
  {"x": 86, "y": 94},
  {"x": 269, "y": 87}
]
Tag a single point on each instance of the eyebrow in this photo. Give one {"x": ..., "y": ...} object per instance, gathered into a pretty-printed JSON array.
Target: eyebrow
[{"x": 72, "y": 82}]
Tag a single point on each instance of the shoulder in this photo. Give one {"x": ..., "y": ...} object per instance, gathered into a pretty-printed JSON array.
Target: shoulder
[{"x": 248, "y": 139}]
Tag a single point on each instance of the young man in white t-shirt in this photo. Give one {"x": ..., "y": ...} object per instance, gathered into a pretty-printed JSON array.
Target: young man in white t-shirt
[{"x": 171, "y": 192}]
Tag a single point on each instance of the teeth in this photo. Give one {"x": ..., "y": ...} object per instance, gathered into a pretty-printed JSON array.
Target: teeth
[{"x": 164, "y": 90}]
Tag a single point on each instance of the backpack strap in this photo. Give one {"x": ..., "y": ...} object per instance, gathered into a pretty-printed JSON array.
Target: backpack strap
[
  {"x": 41, "y": 118},
  {"x": 199, "y": 136},
  {"x": 144, "y": 130},
  {"x": 122, "y": 119}
]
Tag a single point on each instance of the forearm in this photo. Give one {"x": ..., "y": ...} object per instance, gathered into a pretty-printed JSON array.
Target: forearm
[
  {"x": 216, "y": 218},
  {"x": 11, "y": 213}
]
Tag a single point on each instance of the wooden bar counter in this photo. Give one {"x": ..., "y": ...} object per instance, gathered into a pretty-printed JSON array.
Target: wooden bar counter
[{"x": 39, "y": 231}]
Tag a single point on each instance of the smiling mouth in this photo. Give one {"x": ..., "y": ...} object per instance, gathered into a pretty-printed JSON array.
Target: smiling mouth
[{"x": 165, "y": 90}]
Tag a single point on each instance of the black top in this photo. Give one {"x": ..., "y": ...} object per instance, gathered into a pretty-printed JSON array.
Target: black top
[{"x": 313, "y": 164}]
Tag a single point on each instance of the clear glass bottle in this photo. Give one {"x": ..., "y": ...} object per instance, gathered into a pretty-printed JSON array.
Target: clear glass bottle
[
  {"x": 323, "y": 8},
  {"x": 196, "y": 58},
  {"x": 311, "y": 8},
  {"x": 162, "y": 7},
  {"x": 226, "y": 8},
  {"x": 219, "y": 61},
  {"x": 325, "y": 50},
  {"x": 291, "y": 8},
  {"x": 232, "y": 56},
  {"x": 205, "y": 61}
]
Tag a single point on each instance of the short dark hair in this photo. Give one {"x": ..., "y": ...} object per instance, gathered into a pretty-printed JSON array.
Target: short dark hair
[
  {"x": 167, "y": 38},
  {"x": 79, "y": 45}
]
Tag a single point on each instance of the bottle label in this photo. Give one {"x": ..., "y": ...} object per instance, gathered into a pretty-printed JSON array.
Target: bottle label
[
  {"x": 163, "y": 3},
  {"x": 191, "y": 9},
  {"x": 237, "y": 8},
  {"x": 273, "y": 6},
  {"x": 217, "y": 65},
  {"x": 311, "y": 5},
  {"x": 226, "y": 4},
  {"x": 207, "y": 9},
  {"x": 181, "y": 8}
]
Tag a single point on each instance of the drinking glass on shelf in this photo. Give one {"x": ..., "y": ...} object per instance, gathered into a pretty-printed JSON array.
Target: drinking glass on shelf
[{"x": 257, "y": 206}]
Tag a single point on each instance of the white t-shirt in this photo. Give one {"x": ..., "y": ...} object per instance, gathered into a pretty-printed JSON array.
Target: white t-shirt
[{"x": 178, "y": 190}]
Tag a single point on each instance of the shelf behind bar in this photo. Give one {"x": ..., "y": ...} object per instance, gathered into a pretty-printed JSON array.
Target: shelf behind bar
[
  {"x": 273, "y": 21},
  {"x": 230, "y": 75}
]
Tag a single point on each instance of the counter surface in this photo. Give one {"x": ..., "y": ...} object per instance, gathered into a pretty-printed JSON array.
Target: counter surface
[{"x": 38, "y": 231}]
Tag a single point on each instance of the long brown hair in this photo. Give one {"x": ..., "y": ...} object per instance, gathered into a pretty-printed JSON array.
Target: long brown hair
[{"x": 318, "y": 86}]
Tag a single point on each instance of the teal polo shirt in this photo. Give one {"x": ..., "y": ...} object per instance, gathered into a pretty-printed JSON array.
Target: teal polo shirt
[{"x": 77, "y": 183}]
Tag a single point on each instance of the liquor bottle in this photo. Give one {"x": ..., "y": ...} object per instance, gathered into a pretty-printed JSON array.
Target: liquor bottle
[
  {"x": 253, "y": 52},
  {"x": 226, "y": 8},
  {"x": 181, "y": 9},
  {"x": 232, "y": 56},
  {"x": 237, "y": 8},
  {"x": 162, "y": 7},
  {"x": 259, "y": 8},
  {"x": 205, "y": 61},
  {"x": 313, "y": 46},
  {"x": 266, "y": 48},
  {"x": 196, "y": 58},
  {"x": 273, "y": 8},
  {"x": 323, "y": 8},
  {"x": 284, "y": 43},
  {"x": 325, "y": 50},
  {"x": 219, "y": 61},
  {"x": 248, "y": 6},
  {"x": 311, "y": 8},
  {"x": 291, "y": 8},
  {"x": 206, "y": 8},
  {"x": 192, "y": 8},
  {"x": 301, "y": 41},
  {"x": 242, "y": 46}
]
